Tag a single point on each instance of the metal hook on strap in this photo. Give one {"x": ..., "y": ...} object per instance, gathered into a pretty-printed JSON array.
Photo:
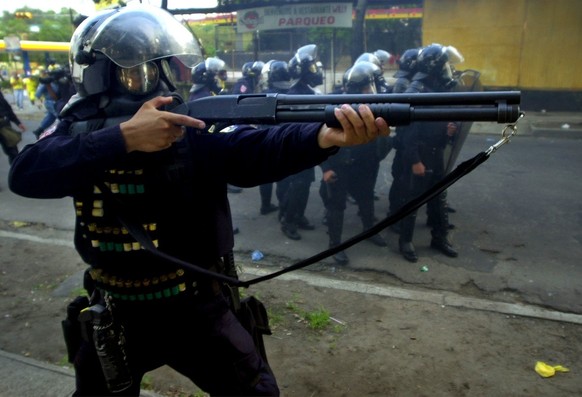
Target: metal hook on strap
[{"x": 509, "y": 131}]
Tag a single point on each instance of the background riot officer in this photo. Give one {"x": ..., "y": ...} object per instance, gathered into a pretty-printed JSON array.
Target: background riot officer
[
  {"x": 351, "y": 171},
  {"x": 277, "y": 79},
  {"x": 406, "y": 70},
  {"x": 205, "y": 78},
  {"x": 305, "y": 70},
  {"x": 423, "y": 147},
  {"x": 294, "y": 190},
  {"x": 251, "y": 74}
]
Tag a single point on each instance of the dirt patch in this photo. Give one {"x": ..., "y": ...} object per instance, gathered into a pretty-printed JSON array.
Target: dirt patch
[{"x": 370, "y": 346}]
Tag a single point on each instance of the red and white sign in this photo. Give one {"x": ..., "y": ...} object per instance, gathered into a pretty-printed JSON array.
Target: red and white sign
[{"x": 321, "y": 15}]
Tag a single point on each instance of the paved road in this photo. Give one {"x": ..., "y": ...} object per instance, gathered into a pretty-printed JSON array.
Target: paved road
[{"x": 517, "y": 226}]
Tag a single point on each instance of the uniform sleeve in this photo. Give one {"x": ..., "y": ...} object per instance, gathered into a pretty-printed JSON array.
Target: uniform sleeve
[
  {"x": 248, "y": 156},
  {"x": 61, "y": 165}
]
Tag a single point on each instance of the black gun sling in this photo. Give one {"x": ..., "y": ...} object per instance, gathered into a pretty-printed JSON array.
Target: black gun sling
[{"x": 133, "y": 225}]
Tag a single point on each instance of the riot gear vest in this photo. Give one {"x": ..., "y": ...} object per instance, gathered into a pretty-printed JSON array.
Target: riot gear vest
[{"x": 119, "y": 262}]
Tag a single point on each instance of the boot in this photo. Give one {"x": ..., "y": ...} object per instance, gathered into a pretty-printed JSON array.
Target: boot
[
  {"x": 444, "y": 246},
  {"x": 378, "y": 240},
  {"x": 341, "y": 258},
  {"x": 368, "y": 220},
  {"x": 290, "y": 230},
  {"x": 408, "y": 251}
]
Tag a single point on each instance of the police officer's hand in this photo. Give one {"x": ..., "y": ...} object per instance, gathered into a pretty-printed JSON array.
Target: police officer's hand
[
  {"x": 329, "y": 176},
  {"x": 452, "y": 129},
  {"x": 357, "y": 128},
  {"x": 151, "y": 130},
  {"x": 418, "y": 169}
]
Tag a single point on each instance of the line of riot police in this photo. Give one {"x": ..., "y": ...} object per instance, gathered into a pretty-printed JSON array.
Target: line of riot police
[{"x": 420, "y": 150}]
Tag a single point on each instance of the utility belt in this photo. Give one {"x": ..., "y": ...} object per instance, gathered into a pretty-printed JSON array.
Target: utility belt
[{"x": 152, "y": 288}]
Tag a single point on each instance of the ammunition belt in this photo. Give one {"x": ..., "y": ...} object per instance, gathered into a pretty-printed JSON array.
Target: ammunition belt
[{"x": 153, "y": 288}]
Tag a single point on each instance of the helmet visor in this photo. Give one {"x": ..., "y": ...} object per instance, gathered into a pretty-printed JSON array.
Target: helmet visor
[
  {"x": 139, "y": 80},
  {"x": 141, "y": 33}
]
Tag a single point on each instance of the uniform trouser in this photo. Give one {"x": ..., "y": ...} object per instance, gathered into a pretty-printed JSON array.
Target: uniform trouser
[
  {"x": 266, "y": 192},
  {"x": 395, "y": 193},
  {"x": 413, "y": 186},
  {"x": 297, "y": 195},
  {"x": 201, "y": 339},
  {"x": 359, "y": 183}
]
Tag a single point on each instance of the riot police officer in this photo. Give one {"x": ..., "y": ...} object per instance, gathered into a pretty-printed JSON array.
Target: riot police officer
[
  {"x": 294, "y": 190},
  {"x": 277, "y": 79},
  {"x": 134, "y": 168},
  {"x": 249, "y": 82},
  {"x": 423, "y": 147},
  {"x": 351, "y": 171},
  {"x": 205, "y": 78},
  {"x": 406, "y": 70}
]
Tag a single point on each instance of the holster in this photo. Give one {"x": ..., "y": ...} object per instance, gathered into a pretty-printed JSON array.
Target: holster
[
  {"x": 251, "y": 312},
  {"x": 72, "y": 329},
  {"x": 254, "y": 318}
]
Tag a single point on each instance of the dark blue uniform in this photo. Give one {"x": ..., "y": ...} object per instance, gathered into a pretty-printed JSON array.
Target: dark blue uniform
[
  {"x": 293, "y": 192},
  {"x": 170, "y": 315},
  {"x": 424, "y": 142}
]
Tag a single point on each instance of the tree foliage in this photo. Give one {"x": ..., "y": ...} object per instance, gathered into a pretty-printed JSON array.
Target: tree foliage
[{"x": 43, "y": 26}]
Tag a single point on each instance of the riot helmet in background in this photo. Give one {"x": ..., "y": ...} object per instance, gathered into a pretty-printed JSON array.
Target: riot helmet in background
[
  {"x": 373, "y": 63},
  {"x": 433, "y": 62},
  {"x": 303, "y": 66},
  {"x": 207, "y": 74},
  {"x": 369, "y": 57},
  {"x": 252, "y": 69},
  {"x": 128, "y": 49},
  {"x": 407, "y": 63},
  {"x": 279, "y": 76},
  {"x": 360, "y": 79},
  {"x": 384, "y": 57}
]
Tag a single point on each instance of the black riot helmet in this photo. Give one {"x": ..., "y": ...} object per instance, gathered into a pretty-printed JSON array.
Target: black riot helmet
[
  {"x": 128, "y": 50},
  {"x": 360, "y": 79},
  {"x": 304, "y": 66},
  {"x": 252, "y": 69},
  {"x": 373, "y": 63},
  {"x": 279, "y": 76},
  {"x": 407, "y": 63},
  {"x": 207, "y": 73},
  {"x": 432, "y": 61}
]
